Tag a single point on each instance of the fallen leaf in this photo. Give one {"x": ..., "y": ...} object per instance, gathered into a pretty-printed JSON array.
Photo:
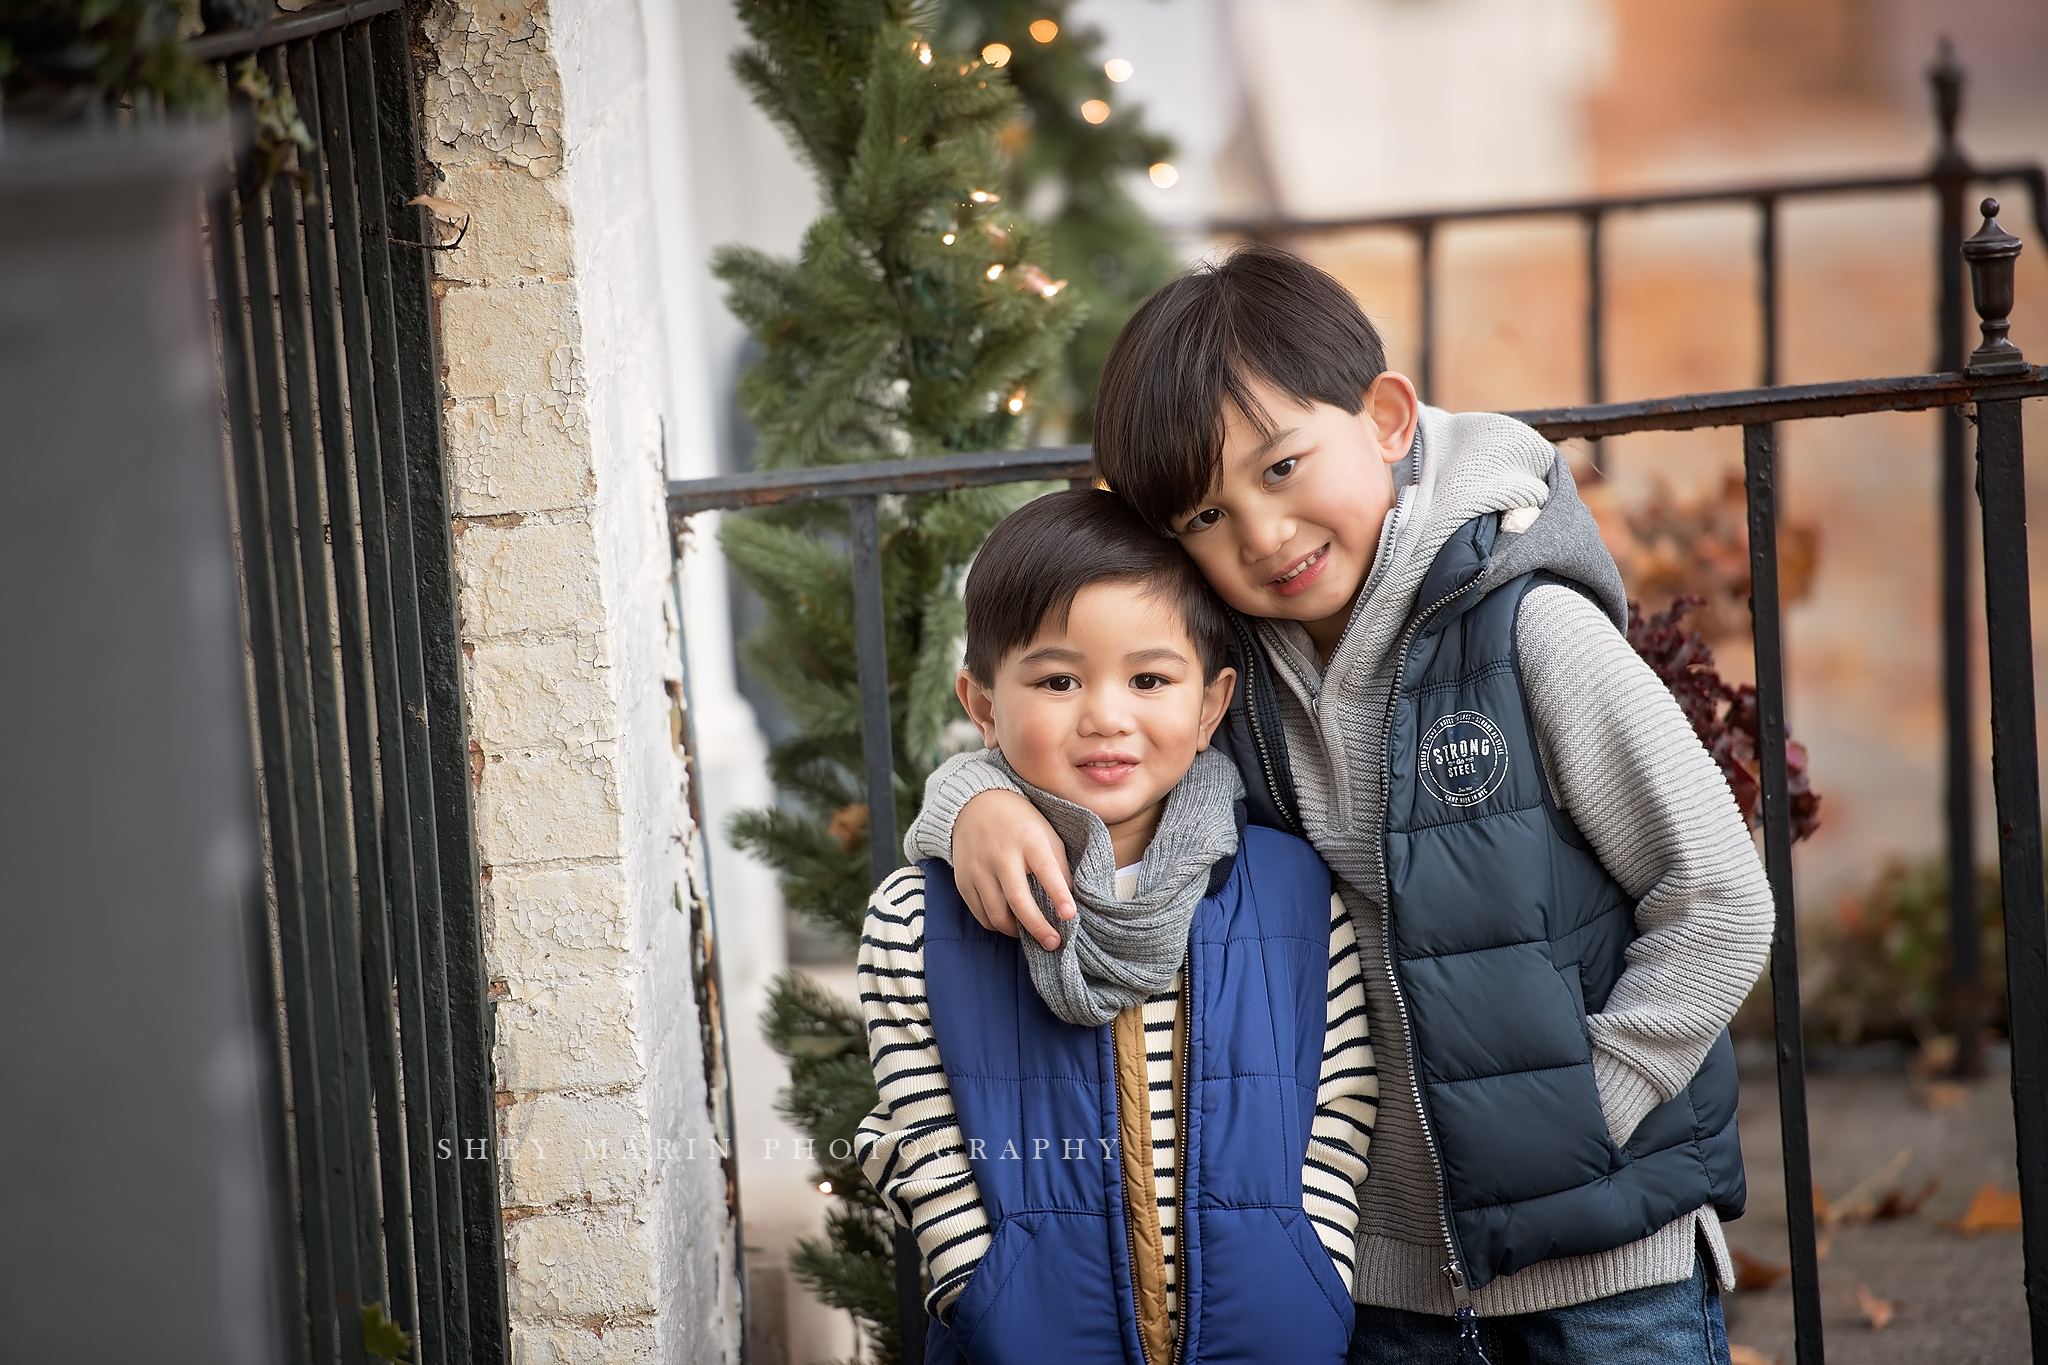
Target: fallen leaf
[
  {"x": 1753, "y": 1274},
  {"x": 1898, "y": 1204},
  {"x": 1937, "y": 1056},
  {"x": 1822, "y": 1245},
  {"x": 1991, "y": 1210},
  {"x": 1750, "y": 1355},
  {"x": 1876, "y": 1311},
  {"x": 1859, "y": 1205},
  {"x": 450, "y": 219}
]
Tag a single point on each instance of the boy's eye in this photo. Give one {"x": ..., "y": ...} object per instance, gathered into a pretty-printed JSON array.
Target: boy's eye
[
  {"x": 1276, "y": 472},
  {"x": 1148, "y": 682},
  {"x": 1060, "y": 682},
  {"x": 1203, "y": 520}
]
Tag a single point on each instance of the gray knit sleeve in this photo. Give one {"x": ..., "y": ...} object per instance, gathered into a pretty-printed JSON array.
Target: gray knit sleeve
[
  {"x": 1627, "y": 768},
  {"x": 947, "y": 791}
]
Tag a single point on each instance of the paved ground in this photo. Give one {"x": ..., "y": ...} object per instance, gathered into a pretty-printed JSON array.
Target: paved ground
[{"x": 1960, "y": 1298}]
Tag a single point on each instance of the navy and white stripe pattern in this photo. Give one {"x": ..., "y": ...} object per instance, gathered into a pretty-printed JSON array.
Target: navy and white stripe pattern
[{"x": 912, "y": 1149}]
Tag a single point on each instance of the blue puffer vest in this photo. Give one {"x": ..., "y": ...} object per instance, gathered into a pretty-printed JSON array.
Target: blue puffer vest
[
  {"x": 1040, "y": 1097},
  {"x": 1505, "y": 932}
]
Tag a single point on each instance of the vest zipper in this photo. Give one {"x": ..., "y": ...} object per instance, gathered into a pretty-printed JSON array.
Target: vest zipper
[
  {"x": 1280, "y": 801},
  {"x": 1180, "y": 1146},
  {"x": 1454, "y": 1270}
]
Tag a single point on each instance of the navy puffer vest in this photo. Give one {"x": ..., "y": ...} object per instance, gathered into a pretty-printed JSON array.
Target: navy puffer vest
[
  {"x": 1505, "y": 932},
  {"x": 1039, "y": 1096}
]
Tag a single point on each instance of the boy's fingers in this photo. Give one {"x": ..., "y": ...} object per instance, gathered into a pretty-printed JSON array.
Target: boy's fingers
[
  {"x": 1050, "y": 867},
  {"x": 1024, "y": 907},
  {"x": 989, "y": 912}
]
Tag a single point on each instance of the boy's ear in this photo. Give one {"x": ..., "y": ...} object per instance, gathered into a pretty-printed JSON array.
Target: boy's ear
[
  {"x": 980, "y": 705},
  {"x": 1215, "y": 701},
  {"x": 1392, "y": 408}
]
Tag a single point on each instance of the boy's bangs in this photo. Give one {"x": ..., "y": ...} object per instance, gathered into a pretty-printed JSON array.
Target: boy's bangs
[{"x": 1194, "y": 350}]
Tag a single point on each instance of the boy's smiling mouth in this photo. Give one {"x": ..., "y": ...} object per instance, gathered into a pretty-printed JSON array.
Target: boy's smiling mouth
[
  {"x": 1302, "y": 573},
  {"x": 1107, "y": 767}
]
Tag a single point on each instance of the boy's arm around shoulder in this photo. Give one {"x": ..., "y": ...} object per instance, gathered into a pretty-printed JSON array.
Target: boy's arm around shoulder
[
  {"x": 910, "y": 1146},
  {"x": 1627, "y": 768},
  {"x": 1003, "y": 843}
]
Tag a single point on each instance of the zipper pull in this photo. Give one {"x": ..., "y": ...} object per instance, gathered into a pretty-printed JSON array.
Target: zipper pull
[{"x": 1469, "y": 1345}]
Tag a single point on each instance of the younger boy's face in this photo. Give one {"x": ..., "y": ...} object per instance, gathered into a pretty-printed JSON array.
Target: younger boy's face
[
  {"x": 1108, "y": 712},
  {"x": 1293, "y": 523}
]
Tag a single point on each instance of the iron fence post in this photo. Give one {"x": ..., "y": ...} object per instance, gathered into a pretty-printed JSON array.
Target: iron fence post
[
  {"x": 878, "y": 750},
  {"x": 1759, "y": 463},
  {"x": 1951, "y": 176},
  {"x": 1596, "y": 360},
  {"x": 2015, "y": 772}
]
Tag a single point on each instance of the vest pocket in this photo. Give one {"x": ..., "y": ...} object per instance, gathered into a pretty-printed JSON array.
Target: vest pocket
[
  {"x": 1575, "y": 986},
  {"x": 985, "y": 1286}
]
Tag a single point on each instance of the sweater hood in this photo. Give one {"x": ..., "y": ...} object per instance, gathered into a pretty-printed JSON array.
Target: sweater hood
[{"x": 1464, "y": 465}]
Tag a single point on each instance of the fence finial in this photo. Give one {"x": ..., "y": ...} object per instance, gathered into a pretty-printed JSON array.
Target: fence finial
[{"x": 1991, "y": 253}]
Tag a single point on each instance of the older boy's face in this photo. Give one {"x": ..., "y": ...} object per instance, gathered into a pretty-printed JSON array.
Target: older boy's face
[
  {"x": 1293, "y": 523},
  {"x": 1108, "y": 712}
]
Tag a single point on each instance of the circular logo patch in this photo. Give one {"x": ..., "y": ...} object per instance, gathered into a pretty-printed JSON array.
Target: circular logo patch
[{"x": 1463, "y": 760}]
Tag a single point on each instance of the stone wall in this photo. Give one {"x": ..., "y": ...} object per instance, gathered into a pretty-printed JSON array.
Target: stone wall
[{"x": 619, "y": 1240}]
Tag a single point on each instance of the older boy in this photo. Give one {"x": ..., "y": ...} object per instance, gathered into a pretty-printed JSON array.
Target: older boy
[
  {"x": 1140, "y": 1145},
  {"x": 1557, "y": 900}
]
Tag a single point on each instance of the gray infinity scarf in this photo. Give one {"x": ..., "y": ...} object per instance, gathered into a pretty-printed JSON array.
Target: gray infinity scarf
[{"x": 1115, "y": 953}]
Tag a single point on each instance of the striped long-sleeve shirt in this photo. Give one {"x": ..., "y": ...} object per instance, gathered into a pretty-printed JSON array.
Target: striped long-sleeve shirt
[{"x": 912, "y": 1148}]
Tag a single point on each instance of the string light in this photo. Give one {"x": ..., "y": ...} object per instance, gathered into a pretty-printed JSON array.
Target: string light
[
  {"x": 1044, "y": 30},
  {"x": 924, "y": 53},
  {"x": 984, "y": 197},
  {"x": 947, "y": 239},
  {"x": 1164, "y": 175},
  {"x": 1016, "y": 403},
  {"x": 996, "y": 54},
  {"x": 1095, "y": 111},
  {"x": 995, "y": 272},
  {"x": 1118, "y": 70},
  {"x": 824, "y": 1187}
]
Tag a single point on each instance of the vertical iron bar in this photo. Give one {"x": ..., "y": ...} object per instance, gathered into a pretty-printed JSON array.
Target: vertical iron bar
[
  {"x": 1596, "y": 303},
  {"x": 1425, "y": 271},
  {"x": 1760, "y": 485},
  {"x": 878, "y": 750},
  {"x": 2015, "y": 776},
  {"x": 365, "y": 992},
  {"x": 304, "y": 1252},
  {"x": 1767, "y": 287},
  {"x": 322, "y": 1142},
  {"x": 408, "y": 809},
  {"x": 465, "y": 983},
  {"x": 1951, "y": 175}
]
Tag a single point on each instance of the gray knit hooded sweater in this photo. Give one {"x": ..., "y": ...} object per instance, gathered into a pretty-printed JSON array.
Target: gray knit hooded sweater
[{"x": 1621, "y": 761}]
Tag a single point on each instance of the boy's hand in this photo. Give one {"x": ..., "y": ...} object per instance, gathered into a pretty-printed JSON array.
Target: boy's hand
[{"x": 999, "y": 840}]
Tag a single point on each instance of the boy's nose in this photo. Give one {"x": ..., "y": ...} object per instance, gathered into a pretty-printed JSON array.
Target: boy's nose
[
  {"x": 1265, "y": 538},
  {"x": 1105, "y": 715}
]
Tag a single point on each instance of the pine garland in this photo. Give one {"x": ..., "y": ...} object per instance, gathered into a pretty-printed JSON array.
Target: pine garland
[
  {"x": 916, "y": 320},
  {"x": 1076, "y": 174}
]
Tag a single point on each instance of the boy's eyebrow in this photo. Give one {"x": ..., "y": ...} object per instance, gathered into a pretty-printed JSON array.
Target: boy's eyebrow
[
  {"x": 1259, "y": 451},
  {"x": 1160, "y": 655},
  {"x": 1051, "y": 654}
]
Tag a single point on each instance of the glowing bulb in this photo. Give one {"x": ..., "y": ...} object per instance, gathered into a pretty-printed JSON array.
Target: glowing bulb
[
  {"x": 1095, "y": 111},
  {"x": 1053, "y": 288},
  {"x": 824, "y": 1187},
  {"x": 1118, "y": 70},
  {"x": 995, "y": 272},
  {"x": 1016, "y": 403},
  {"x": 996, "y": 54},
  {"x": 1044, "y": 30},
  {"x": 947, "y": 239},
  {"x": 984, "y": 197},
  {"x": 1164, "y": 175},
  {"x": 924, "y": 53}
]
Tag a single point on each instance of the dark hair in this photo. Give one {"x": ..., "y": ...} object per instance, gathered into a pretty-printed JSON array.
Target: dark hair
[
  {"x": 1258, "y": 314},
  {"x": 1039, "y": 558}
]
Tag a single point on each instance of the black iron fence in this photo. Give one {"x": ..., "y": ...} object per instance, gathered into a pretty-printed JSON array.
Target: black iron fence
[
  {"x": 1991, "y": 384},
  {"x": 1948, "y": 177},
  {"x": 331, "y": 401}
]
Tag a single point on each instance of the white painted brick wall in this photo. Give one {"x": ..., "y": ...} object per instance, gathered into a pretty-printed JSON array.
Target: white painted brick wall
[{"x": 557, "y": 380}]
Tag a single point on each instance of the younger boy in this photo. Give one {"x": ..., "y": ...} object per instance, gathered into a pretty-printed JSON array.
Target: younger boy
[
  {"x": 1140, "y": 1145},
  {"x": 1558, "y": 903}
]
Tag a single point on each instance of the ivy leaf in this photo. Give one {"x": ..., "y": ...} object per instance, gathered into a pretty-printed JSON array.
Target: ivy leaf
[{"x": 382, "y": 1337}]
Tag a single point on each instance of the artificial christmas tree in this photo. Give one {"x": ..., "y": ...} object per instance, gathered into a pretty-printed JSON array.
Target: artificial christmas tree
[
  {"x": 1074, "y": 155},
  {"x": 917, "y": 319}
]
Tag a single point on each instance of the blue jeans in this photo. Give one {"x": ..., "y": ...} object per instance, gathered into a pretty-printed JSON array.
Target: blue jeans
[{"x": 1676, "y": 1323}]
